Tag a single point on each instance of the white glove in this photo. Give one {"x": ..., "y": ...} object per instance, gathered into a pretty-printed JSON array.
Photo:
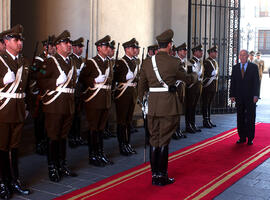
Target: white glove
[
  {"x": 78, "y": 72},
  {"x": 214, "y": 73},
  {"x": 9, "y": 77},
  {"x": 129, "y": 75},
  {"x": 61, "y": 79},
  {"x": 100, "y": 79}
]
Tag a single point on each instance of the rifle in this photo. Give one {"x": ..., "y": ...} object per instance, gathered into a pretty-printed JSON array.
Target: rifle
[
  {"x": 117, "y": 52},
  {"x": 116, "y": 58},
  {"x": 86, "y": 51}
]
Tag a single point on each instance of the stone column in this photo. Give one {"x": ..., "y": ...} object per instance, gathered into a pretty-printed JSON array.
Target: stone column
[
  {"x": 5, "y": 15},
  {"x": 94, "y": 26}
]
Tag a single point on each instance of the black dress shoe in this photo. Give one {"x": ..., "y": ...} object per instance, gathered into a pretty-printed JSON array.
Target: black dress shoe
[
  {"x": 123, "y": 150},
  {"x": 206, "y": 124},
  {"x": 162, "y": 180},
  {"x": 240, "y": 141},
  {"x": 105, "y": 159},
  {"x": 250, "y": 142},
  {"x": 130, "y": 149},
  {"x": 211, "y": 123},
  {"x": 176, "y": 136},
  {"x": 190, "y": 129},
  {"x": 196, "y": 128},
  {"x": 17, "y": 188},
  {"x": 96, "y": 161}
]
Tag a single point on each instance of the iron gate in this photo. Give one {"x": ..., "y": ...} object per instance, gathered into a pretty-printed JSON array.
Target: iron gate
[{"x": 216, "y": 22}]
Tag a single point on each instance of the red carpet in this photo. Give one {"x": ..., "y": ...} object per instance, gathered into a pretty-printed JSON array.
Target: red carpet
[{"x": 201, "y": 171}]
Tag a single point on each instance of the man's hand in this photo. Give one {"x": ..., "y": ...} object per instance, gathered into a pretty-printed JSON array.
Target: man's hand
[
  {"x": 255, "y": 99},
  {"x": 232, "y": 99}
]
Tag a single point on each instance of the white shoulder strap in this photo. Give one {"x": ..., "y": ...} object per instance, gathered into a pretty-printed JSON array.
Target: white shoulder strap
[
  {"x": 96, "y": 65},
  {"x": 3, "y": 61},
  {"x": 157, "y": 73},
  {"x": 39, "y": 58},
  {"x": 57, "y": 64}
]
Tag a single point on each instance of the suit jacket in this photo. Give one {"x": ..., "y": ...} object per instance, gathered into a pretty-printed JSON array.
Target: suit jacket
[
  {"x": 87, "y": 78},
  {"x": 245, "y": 88},
  {"x": 14, "y": 111},
  {"x": 64, "y": 103},
  {"x": 170, "y": 70}
]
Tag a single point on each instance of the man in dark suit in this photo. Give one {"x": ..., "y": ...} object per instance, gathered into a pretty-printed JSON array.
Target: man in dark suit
[{"x": 244, "y": 91}]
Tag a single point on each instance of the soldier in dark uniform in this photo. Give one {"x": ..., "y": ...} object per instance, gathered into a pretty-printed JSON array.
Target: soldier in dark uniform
[
  {"x": 210, "y": 85},
  {"x": 181, "y": 51},
  {"x": 260, "y": 63},
  {"x": 125, "y": 75},
  {"x": 193, "y": 92},
  {"x": 57, "y": 86},
  {"x": 251, "y": 57},
  {"x": 164, "y": 110},
  {"x": 152, "y": 50},
  {"x": 75, "y": 138},
  {"x": 14, "y": 71},
  {"x": 111, "y": 51},
  {"x": 36, "y": 108},
  {"x": 96, "y": 78}
]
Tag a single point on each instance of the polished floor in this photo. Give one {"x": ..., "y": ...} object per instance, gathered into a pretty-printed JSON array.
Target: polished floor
[{"x": 33, "y": 168}]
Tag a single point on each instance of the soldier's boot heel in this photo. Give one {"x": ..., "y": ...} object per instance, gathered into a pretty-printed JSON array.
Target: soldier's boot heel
[{"x": 206, "y": 124}]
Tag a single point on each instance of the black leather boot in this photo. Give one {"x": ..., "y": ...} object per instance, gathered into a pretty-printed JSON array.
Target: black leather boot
[
  {"x": 53, "y": 152},
  {"x": 94, "y": 159},
  {"x": 120, "y": 136},
  {"x": 209, "y": 117},
  {"x": 189, "y": 128},
  {"x": 101, "y": 153},
  {"x": 130, "y": 149},
  {"x": 63, "y": 169},
  {"x": 162, "y": 177},
  {"x": 15, "y": 183},
  {"x": 154, "y": 152},
  {"x": 5, "y": 193}
]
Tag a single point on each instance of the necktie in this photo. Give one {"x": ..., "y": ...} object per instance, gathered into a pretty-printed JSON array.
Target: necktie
[{"x": 243, "y": 71}]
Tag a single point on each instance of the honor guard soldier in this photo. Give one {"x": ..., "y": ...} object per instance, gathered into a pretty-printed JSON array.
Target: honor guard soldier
[
  {"x": 181, "y": 53},
  {"x": 58, "y": 85},
  {"x": 193, "y": 91},
  {"x": 111, "y": 51},
  {"x": 210, "y": 85},
  {"x": 125, "y": 75},
  {"x": 75, "y": 138},
  {"x": 152, "y": 50},
  {"x": 258, "y": 61},
  {"x": 14, "y": 71},
  {"x": 36, "y": 105},
  {"x": 96, "y": 78},
  {"x": 158, "y": 76}
]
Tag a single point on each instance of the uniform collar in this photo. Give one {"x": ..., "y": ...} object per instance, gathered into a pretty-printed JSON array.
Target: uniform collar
[
  {"x": 12, "y": 56},
  {"x": 77, "y": 55},
  {"x": 103, "y": 59},
  {"x": 129, "y": 57},
  {"x": 64, "y": 58}
]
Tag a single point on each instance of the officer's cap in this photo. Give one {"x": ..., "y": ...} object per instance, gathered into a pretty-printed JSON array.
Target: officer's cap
[
  {"x": 213, "y": 49},
  {"x": 63, "y": 37},
  {"x": 78, "y": 42},
  {"x": 14, "y": 32},
  {"x": 182, "y": 47},
  {"x": 197, "y": 48},
  {"x": 112, "y": 44},
  {"x": 104, "y": 41},
  {"x": 152, "y": 47},
  {"x": 137, "y": 45},
  {"x": 165, "y": 37},
  {"x": 130, "y": 43},
  {"x": 252, "y": 53},
  {"x": 49, "y": 40}
]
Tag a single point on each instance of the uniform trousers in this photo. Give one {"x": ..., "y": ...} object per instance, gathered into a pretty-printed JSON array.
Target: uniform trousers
[
  {"x": 10, "y": 135},
  {"x": 58, "y": 125},
  {"x": 97, "y": 118},
  {"x": 161, "y": 129}
]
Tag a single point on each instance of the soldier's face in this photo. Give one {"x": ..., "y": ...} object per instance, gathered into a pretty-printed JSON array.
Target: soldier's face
[
  {"x": 130, "y": 51},
  {"x": 103, "y": 50},
  {"x": 111, "y": 52},
  {"x": 136, "y": 51},
  {"x": 213, "y": 54},
  {"x": 251, "y": 57},
  {"x": 51, "y": 50},
  {"x": 198, "y": 54},
  {"x": 258, "y": 57},
  {"x": 14, "y": 45},
  {"x": 64, "y": 48},
  {"x": 182, "y": 53},
  {"x": 77, "y": 50},
  {"x": 2, "y": 46}
]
